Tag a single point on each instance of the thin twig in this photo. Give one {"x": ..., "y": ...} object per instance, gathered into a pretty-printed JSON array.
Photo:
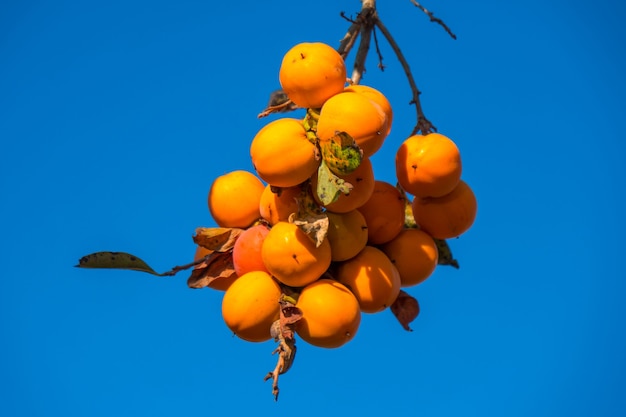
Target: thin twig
[
  {"x": 423, "y": 124},
  {"x": 434, "y": 19},
  {"x": 378, "y": 52},
  {"x": 349, "y": 39},
  {"x": 367, "y": 19}
]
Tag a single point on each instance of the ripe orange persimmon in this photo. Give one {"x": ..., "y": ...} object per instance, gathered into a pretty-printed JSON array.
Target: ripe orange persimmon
[
  {"x": 383, "y": 213},
  {"x": 414, "y": 253},
  {"x": 356, "y": 115},
  {"x": 347, "y": 234},
  {"x": 247, "y": 250},
  {"x": 377, "y": 97},
  {"x": 250, "y": 306},
  {"x": 428, "y": 165},
  {"x": 311, "y": 73},
  {"x": 330, "y": 314},
  {"x": 282, "y": 154},
  {"x": 448, "y": 216},
  {"x": 362, "y": 180},
  {"x": 234, "y": 199},
  {"x": 291, "y": 256},
  {"x": 372, "y": 278},
  {"x": 278, "y": 206},
  {"x": 220, "y": 284}
]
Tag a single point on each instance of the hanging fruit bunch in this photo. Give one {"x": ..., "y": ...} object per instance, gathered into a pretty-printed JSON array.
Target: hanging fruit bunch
[{"x": 312, "y": 239}]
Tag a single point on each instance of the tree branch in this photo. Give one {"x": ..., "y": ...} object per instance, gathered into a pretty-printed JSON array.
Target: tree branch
[{"x": 434, "y": 19}]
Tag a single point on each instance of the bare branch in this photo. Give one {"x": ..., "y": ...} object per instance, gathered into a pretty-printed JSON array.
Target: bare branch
[
  {"x": 367, "y": 19},
  {"x": 350, "y": 37},
  {"x": 434, "y": 19},
  {"x": 423, "y": 125}
]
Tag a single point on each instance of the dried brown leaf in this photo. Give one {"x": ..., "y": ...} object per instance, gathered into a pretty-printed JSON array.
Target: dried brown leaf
[
  {"x": 315, "y": 225},
  {"x": 219, "y": 239},
  {"x": 218, "y": 265},
  {"x": 406, "y": 309}
]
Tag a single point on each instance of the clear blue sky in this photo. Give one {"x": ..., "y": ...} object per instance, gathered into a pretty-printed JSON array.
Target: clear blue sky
[{"x": 115, "y": 117}]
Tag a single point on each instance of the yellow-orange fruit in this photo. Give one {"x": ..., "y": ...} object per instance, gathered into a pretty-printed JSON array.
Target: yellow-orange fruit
[
  {"x": 281, "y": 153},
  {"x": 448, "y": 216},
  {"x": 291, "y": 256},
  {"x": 356, "y": 115},
  {"x": 221, "y": 283},
  {"x": 330, "y": 314},
  {"x": 414, "y": 253},
  {"x": 247, "y": 249},
  {"x": 372, "y": 278},
  {"x": 234, "y": 199},
  {"x": 311, "y": 73},
  {"x": 347, "y": 234},
  {"x": 428, "y": 165},
  {"x": 383, "y": 213},
  {"x": 279, "y": 206},
  {"x": 362, "y": 180},
  {"x": 377, "y": 97},
  {"x": 250, "y": 306}
]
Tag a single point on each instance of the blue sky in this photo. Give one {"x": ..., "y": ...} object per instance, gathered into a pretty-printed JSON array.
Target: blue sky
[{"x": 115, "y": 117}]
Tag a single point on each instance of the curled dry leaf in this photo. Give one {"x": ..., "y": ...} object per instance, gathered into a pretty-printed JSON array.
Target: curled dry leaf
[
  {"x": 445, "y": 254},
  {"x": 406, "y": 309},
  {"x": 315, "y": 225},
  {"x": 219, "y": 239},
  {"x": 217, "y": 265}
]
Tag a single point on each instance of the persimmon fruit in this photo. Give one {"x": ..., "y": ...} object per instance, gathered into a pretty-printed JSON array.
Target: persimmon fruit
[
  {"x": 247, "y": 250},
  {"x": 362, "y": 118},
  {"x": 292, "y": 257},
  {"x": 234, "y": 199},
  {"x": 377, "y": 97},
  {"x": 372, "y": 278},
  {"x": 250, "y": 306},
  {"x": 330, "y": 314},
  {"x": 347, "y": 234},
  {"x": 448, "y": 216},
  {"x": 277, "y": 206},
  {"x": 311, "y": 73},
  {"x": 414, "y": 253},
  {"x": 282, "y": 154},
  {"x": 383, "y": 213},
  {"x": 428, "y": 165}
]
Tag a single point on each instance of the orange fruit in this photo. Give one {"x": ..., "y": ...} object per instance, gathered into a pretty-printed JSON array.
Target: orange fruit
[
  {"x": 448, "y": 216},
  {"x": 372, "y": 278},
  {"x": 291, "y": 256},
  {"x": 278, "y": 206},
  {"x": 311, "y": 73},
  {"x": 347, "y": 234},
  {"x": 383, "y": 213},
  {"x": 377, "y": 97},
  {"x": 220, "y": 284},
  {"x": 428, "y": 165},
  {"x": 356, "y": 115},
  {"x": 250, "y": 306},
  {"x": 414, "y": 253},
  {"x": 330, "y": 314},
  {"x": 234, "y": 199},
  {"x": 247, "y": 250},
  {"x": 281, "y": 153},
  {"x": 362, "y": 180}
]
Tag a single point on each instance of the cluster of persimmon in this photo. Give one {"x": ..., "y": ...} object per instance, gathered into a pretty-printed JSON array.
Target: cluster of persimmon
[{"x": 319, "y": 167}]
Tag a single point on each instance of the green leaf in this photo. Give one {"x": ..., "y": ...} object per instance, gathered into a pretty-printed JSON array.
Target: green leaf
[
  {"x": 341, "y": 153},
  {"x": 115, "y": 260},
  {"x": 329, "y": 185}
]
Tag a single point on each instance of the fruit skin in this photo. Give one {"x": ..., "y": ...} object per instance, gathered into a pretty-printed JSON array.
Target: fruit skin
[
  {"x": 428, "y": 165},
  {"x": 247, "y": 250},
  {"x": 250, "y": 306},
  {"x": 347, "y": 234},
  {"x": 383, "y": 213},
  {"x": 448, "y": 216},
  {"x": 275, "y": 207},
  {"x": 372, "y": 278},
  {"x": 234, "y": 199},
  {"x": 311, "y": 73},
  {"x": 282, "y": 154},
  {"x": 291, "y": 256},
  {"x": 356, "y": 115},
  {"x": 362, "y": 179},
  {"x": 330, "y": 314},
  {"x": 414, "y": 253},
  {"x": 377, "y": 97}
]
